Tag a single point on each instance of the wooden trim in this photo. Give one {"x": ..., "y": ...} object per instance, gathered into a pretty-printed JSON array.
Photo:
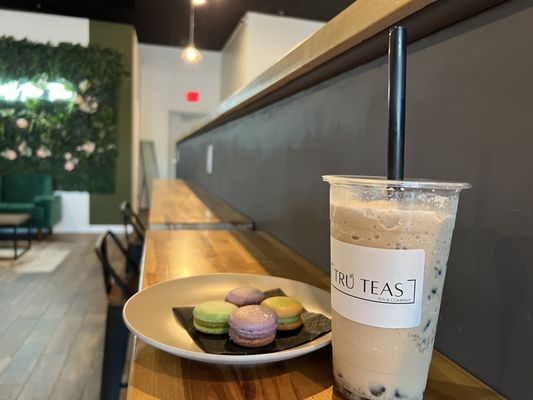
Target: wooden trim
[
  {"x": 344, "y": 43},
  {"x": 360, "y": 21}
]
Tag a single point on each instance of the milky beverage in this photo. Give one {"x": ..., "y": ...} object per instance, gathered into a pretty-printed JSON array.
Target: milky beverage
[{"x": 373, "y": 362}]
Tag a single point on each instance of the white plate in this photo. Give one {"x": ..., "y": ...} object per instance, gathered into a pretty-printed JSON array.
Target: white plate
[{"x": 148, "y": 314}]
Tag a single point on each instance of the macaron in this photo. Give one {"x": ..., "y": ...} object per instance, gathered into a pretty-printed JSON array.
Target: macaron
[
  {"x": 288, "y": 309},
  {"x": 244, "y": 296},
  {"x": 253, "y": 326},
  {"x": 212, "y": 317}
]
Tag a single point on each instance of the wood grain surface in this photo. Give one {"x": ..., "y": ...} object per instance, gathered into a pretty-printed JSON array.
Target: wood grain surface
[
  {"x": 13, "y": 219},
  {"x": 158, "y": 375},
  {"x": 179, "y": 204},
  {"x": 52, "y": 327}
]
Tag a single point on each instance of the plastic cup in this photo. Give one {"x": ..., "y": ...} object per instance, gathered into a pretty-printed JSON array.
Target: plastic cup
[{"x": 389, "y": 248}]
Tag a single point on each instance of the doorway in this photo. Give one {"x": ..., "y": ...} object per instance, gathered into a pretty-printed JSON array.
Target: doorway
[{"x": 179, "y": 123}]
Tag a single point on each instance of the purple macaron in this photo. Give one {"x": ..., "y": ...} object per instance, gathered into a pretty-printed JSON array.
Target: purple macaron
[
  {"x": 253, "y": 326},
  {"x": 244, "y": 296}
]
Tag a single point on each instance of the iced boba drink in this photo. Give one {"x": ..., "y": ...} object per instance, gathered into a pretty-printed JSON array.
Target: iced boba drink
[{"x": 389, "y": 248}]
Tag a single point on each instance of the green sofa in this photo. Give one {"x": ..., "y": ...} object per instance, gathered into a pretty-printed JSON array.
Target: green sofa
[{"x": 32, "y": 194}]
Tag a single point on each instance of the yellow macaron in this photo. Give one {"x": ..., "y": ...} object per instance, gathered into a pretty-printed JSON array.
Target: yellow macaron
[{"x": 288, "y": 309}]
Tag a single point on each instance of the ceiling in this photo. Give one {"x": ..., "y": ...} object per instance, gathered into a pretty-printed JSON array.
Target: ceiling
[{"x": 166, "y": 22}]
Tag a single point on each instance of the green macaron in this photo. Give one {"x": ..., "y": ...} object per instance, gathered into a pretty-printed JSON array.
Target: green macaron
[{"x": 212, "y": 317}]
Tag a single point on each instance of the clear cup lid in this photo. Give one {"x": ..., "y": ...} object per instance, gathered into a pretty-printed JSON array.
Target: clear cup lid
[{"x": 381, "y": 181}]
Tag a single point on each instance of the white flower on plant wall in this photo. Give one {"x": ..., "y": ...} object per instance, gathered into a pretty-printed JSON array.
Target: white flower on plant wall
[
  {"x": 24, "y": 149},
  {"x": 69, "y": 166},
  {"x": 43, "y": 152},
  {"x": 86, "y": 108},
  {"x": 67, "y": 155},
  {"x": 22, "y": 123},
  {"x": 84, "y": 85},
  {"x": 87, "y": 147},
  {"x": 87, "y": 104},
  {"x": 9, "y": 154}
]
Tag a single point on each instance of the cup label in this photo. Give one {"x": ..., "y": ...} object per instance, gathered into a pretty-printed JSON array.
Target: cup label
[{"x": 377, "y": 287}]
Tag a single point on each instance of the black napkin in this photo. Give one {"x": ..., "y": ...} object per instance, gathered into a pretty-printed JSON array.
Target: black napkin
[{"x": 314, "y": 326}]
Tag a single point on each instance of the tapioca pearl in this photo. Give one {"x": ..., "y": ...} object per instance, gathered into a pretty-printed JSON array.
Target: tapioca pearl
[
  {"x": 348, "y": 394},
  {"x": 377, "y": 390},
  {"x": 422, "y": 343},
  {"x": 399, "y": 395},
  {"x": 432, "y": 293}
]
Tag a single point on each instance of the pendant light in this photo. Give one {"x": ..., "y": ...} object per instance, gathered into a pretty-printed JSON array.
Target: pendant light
[{"x": 190, "y": 54}]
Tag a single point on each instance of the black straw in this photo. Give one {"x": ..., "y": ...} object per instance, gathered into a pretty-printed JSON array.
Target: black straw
[{"x": 397, "y": 55}]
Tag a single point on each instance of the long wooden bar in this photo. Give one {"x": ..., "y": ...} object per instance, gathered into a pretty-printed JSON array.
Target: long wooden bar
[
  {"x": 158, "y": 375},
  {"x": 179, "y": 204}
]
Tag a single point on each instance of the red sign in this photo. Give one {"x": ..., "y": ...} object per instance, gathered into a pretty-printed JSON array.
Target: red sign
[{"x": 193, "y": 97}]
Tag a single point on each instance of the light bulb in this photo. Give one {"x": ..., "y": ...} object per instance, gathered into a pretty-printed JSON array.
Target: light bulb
[
  {"x": 197, "y": 3},
  {"x": 191, "y": 55}
]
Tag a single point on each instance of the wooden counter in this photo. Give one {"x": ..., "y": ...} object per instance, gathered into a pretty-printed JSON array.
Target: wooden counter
[
  {"x": 179, "y": 204},
  {"x": 158, "y": 375}
]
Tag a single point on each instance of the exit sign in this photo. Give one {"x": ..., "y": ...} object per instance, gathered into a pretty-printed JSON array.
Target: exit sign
[{"x": 192, "y": 97}]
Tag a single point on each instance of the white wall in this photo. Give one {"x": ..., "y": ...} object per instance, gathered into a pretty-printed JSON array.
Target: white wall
[
  {"x": 257, "y": 43},
  {"x": 75, "y": 213},
  {"x": 164, "y": 81},
  {"x": 44, "y": 27},
  {"x": 235, "y": 74}
]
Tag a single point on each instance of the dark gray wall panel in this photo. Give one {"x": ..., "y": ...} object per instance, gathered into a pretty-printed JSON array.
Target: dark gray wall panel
[{"x": 469, "y": 117}]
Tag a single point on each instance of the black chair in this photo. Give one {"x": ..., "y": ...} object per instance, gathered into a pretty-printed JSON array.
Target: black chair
[
  {"x": 130, "y": 218},
  {"x": 135, "y": 241},
  {"x": 119, "y": 288}
]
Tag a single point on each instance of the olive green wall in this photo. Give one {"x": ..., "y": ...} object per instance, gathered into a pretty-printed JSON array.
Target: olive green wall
[{"x": 104, "y": 208}]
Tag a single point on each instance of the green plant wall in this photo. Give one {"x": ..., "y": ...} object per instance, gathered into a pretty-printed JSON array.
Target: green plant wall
[{"x": 58, "y": 113}]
